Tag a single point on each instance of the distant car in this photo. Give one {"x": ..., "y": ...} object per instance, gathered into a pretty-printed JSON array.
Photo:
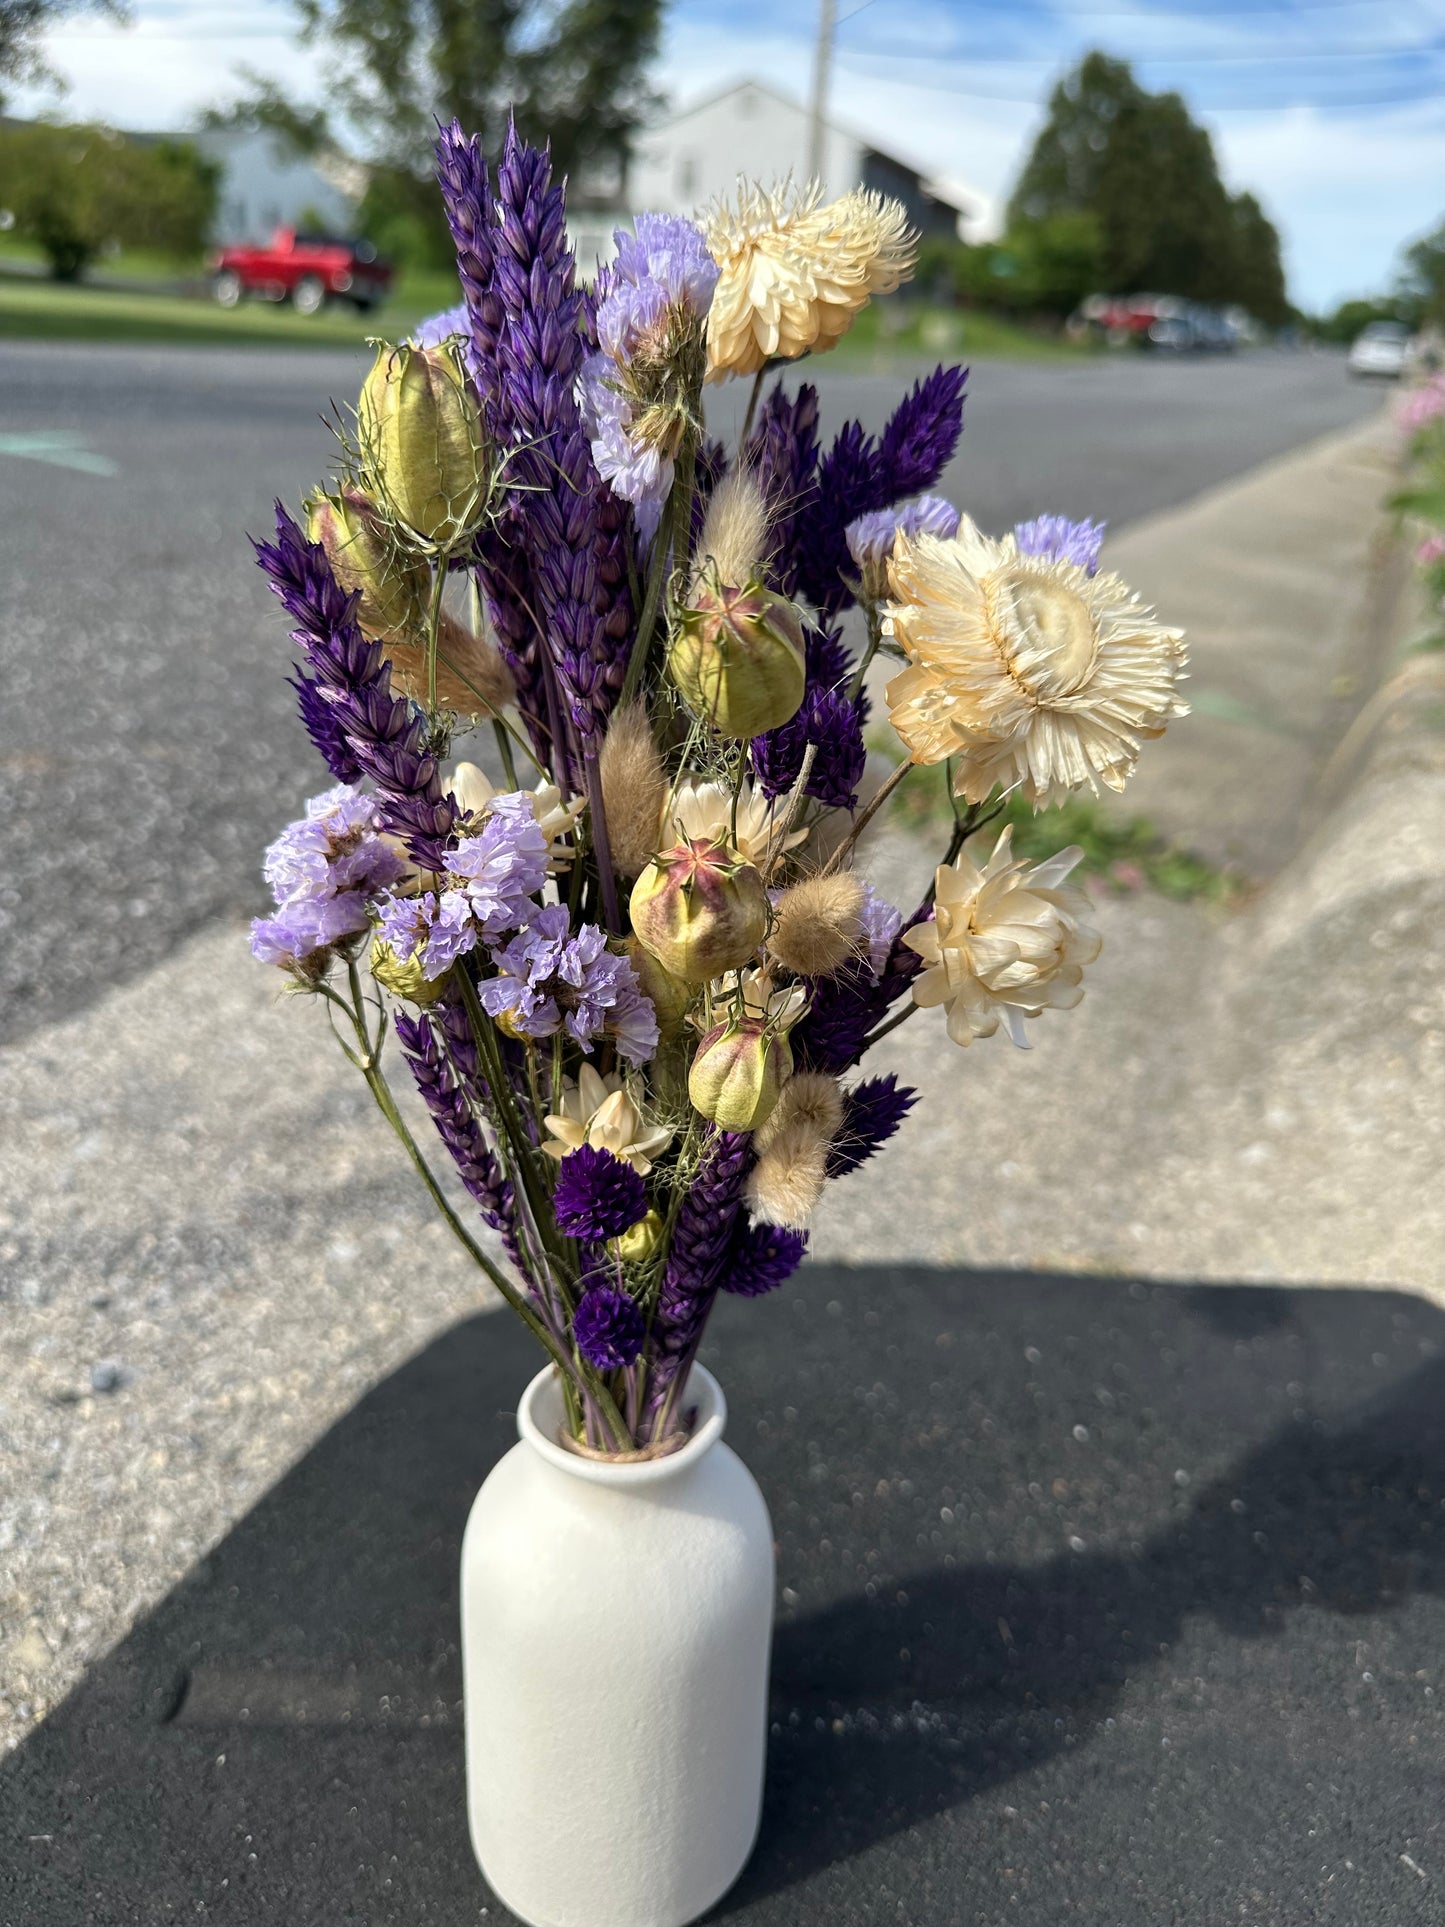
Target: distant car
[
  {"x": 1381, "y": 348},
  {"x": 308, "y": 270}
]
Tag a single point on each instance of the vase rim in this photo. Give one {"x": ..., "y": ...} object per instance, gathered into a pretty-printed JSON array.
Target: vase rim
[{"x": 539, "y": 1417}]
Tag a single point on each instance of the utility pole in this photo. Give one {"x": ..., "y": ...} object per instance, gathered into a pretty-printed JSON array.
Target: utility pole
[{"x": 822, "y": 67}]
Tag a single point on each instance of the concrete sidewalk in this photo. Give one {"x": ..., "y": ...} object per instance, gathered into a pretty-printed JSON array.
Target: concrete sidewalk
[{"x": 212, "y": 1245}]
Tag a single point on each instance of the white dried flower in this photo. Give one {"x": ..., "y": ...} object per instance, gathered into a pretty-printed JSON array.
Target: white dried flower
[{"x": 600, "y": 1111}]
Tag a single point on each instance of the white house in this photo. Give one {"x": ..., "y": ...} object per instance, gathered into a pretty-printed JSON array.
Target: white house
[
  {"x": 749, "y": 128},
  {"x": 266, "y": 184}
]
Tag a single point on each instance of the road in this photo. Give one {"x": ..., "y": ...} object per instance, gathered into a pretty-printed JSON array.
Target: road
[{"x": 148, "y": 745}]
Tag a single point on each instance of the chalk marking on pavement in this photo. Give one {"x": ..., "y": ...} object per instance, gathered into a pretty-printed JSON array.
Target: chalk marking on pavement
[{"x": 61, "y": 447}]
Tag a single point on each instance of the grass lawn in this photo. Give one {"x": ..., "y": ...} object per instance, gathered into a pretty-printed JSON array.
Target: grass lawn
[
  {"x": 883, "y": 335},
  {"x": 52, "y": 311}
]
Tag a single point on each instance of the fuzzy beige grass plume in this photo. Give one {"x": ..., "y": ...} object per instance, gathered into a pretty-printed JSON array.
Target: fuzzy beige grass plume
[
  {"x": 809, "y": 1098},
  {"x": 472, "y": 679},
  {"x": 634, "y": 789},
  {"x": 818, "y": 924},
  {"x": 787, "y": 1180},
  {"x": 735, "y": 531}
]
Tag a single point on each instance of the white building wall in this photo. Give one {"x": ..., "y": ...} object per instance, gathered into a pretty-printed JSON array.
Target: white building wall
[
  {"x": 748, "y": 130},
  {"x": 265, "y": 186}
]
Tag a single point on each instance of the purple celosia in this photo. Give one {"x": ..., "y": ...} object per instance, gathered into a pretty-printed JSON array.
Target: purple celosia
[
  {"x": 440, "y": 927},
  {"x": 872, "y": 1112},
  {"x": 503, "y": 866},
  {"x": 438, "y": 328},
  {"x": 828, "y": 719},
  {"x": 859, "y": 476},
  {"x": 870, "y": 539},
  {"x": 607, "y": 1328},
  {"x": 548, "y": 978},
  {"x": 323, "y": 869},
  {"x": 346, "y": 702},
  {"x": 1058, "y": 539},
  {"x": 783, "y": 454},
  {"x": 762, "y": 1257},
  {"x": 442, "y": 1057},
  {"x": 660, "y": 285},
  {"x": 701, "y": 1238},
  {"x": 598, "y": 1195}
]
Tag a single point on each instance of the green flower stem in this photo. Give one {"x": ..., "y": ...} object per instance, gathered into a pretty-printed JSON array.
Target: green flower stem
[
  {"x": 875, "y": 637},
  {"x": 865, "y": 816},
  {"x": 433, "y": 630}
]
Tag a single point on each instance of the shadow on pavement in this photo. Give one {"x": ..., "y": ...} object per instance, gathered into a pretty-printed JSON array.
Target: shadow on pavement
[{"x": 1102, "y": 1601}]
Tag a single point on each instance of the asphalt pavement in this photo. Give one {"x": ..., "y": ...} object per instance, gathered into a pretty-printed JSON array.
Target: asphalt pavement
[
  {"x": 148, "y": 743},
  {"x": 1100, "y": 1602}
]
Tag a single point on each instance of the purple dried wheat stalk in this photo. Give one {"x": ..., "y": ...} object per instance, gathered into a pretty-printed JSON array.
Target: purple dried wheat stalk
[{"x": 700, "y": 1240}]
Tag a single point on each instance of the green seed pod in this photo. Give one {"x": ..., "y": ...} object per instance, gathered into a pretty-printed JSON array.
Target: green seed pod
[
  {"x": 738, "y": 1074},
  {"x": 736, "y": 657},
  {"x": 636, "y": 1246},
  {"x": 364, "y": 556},
  {"x": 422, "y": 443},
  {"x": 409, "y": 979},
  {"x": 700, "y": 910},
  {"x": 668, "y": 995}
]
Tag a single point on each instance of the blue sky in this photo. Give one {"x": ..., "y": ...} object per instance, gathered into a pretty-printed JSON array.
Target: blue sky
[{"x": 1332, "y": 111}]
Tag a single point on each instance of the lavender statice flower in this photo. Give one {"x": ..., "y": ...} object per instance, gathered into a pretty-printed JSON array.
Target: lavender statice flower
[
  {"x": 548, "y": 978},
  {"x": 634, "y": 400},
  {"x": 323, "y": 870},
  {"x": 870, "y": 539},
  {"x": 598, "y": 1195},
  {"x": 502, "y": 867},
  {"x": 438, "y": 328},
  {"x": 1058, "y": 539},
  {"x": 762, "y": 1257},
  {"x": 701, "y": 1239},
  {"x": 442, "y": 1058},
  {"x": 872, "y": 1112},
  {"x": 360, "y": 728},
  {"x": 607, "y": 1328},
  {"x": 881, "y": 924},
  {"x": 440, "y": 927}
]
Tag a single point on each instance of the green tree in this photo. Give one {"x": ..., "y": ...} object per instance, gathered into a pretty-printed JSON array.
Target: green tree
[
  {"x": 21, "y": 24},
  {"x": 1146, "y": 172},
  {"x": 572, "y": 71},
  {"x": 1422, "y": 282},
  {"x": 73, "y": 190}
]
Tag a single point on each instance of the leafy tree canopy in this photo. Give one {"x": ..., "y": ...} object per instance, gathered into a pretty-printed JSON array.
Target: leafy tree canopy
[
  {"x": 22, "y": 22},
  {"x": 1146, "y": 172},
  {"x": 74, "y": 190},
  {"x": 1422, "y": 282}
]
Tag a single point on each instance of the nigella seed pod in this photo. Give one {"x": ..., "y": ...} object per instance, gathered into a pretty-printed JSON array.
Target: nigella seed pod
[
  {"x": 736, "y": 657},
  {"x": 422, "y": 443},
  {"x": 668, "y": 995},
  {"x": 636, "y": 1246},
  {"x": 408, "y": 980},
  {"x": 738, "y": 1074},
  {"x": 365, "y": 556},
  {"x": 700, "y": 910}
]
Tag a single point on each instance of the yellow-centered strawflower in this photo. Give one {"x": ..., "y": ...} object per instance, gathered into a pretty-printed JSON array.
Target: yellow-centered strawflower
[
  {"x": 793, "y": 274},
  {"x": 1032, "y": 673},
  {"x": 1007, "y": 941}
]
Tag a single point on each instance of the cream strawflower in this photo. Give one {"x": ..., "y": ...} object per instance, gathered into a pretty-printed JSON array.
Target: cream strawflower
[
  {"x": 793, "y": 274},
  {"x": 1033, "y": 673},
  {"x": 1006, "y": 942},
  {"x": 702, "y": 811},
  {"x": 598, "y": 1110},
  {"x": 473, "y": 790}
]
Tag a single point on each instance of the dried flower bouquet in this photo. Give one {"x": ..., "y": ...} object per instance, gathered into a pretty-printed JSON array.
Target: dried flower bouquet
[{"x": 633, "y": 986}]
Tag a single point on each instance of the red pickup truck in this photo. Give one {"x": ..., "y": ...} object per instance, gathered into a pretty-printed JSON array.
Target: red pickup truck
[{"x": 308, "y": 270}]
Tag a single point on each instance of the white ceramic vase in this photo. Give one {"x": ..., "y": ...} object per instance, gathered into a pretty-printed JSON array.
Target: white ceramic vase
[{"x": 616, "y": 1624}]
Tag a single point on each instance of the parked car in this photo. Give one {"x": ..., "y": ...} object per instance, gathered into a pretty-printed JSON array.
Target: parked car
[
  {"x": 1381, "y": 348},
  {"x": 1164, "y": 322},
  {"x": 308, "y": 270}
]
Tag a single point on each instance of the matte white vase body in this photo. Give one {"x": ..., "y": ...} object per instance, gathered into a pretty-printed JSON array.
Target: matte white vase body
[{"x": 616, "y": 1624}]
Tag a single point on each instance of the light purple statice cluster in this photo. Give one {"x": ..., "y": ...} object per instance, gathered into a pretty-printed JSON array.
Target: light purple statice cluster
[
  {"x": 438, "y": 328},
  {"x": 1057, "y": 539},
  {"x": 547, "y": 978},
  {"x": 657, "y": 293},
  {"x": 322, "y": 871},
  {"x": 870, "y": 539},
  {"x": 493, "y": 878}
]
